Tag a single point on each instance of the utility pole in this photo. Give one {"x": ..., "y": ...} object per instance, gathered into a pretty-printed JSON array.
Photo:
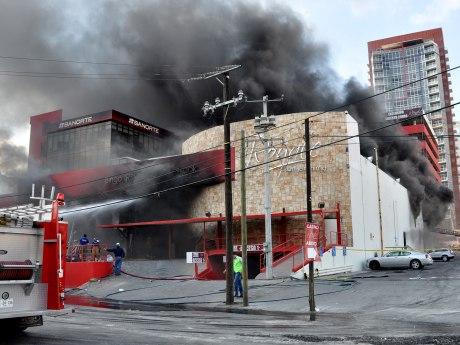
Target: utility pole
[
  {"x": 228, "y": 196},
  {"x": 262, "y": 125},
  {"x": 379, "y": 201},
  {"x": 228, "y": 171},
  {"x": 244, "y": 228},
  {"x": 311, "y": 281}
]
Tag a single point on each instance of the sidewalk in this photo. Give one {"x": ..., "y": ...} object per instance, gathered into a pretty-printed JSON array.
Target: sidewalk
[{"x": 173, "y": 285}]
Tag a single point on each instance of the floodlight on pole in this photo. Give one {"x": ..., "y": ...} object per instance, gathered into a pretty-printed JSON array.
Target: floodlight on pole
[
  {"x": 208, "y": 108},
  {"x": 262, "y": 125}
]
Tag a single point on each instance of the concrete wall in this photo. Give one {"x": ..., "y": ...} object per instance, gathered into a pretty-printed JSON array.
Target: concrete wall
[{"x": 396, "y": 215}]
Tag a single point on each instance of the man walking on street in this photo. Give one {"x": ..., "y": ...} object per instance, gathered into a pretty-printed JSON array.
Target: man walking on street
[
  {"x": 119, "y": 255},
  {"x": 238, "y": 270}
]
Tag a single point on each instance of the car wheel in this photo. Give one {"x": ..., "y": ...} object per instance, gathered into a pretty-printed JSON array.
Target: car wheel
[
  {"x": 374, "y": 265},
  {"x": 415, "y": 265},
  {"x": 445, "y": 258}
]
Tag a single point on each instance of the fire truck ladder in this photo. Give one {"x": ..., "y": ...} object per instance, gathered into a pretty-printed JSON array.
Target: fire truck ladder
[{"x": 22, "y": 216}]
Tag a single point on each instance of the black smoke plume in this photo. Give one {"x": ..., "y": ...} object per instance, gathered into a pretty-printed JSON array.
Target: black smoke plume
[
  {"x": 151, "y": 47},
  {"x": 399, "y": 157},
  {"x": 13, "y": 163}
]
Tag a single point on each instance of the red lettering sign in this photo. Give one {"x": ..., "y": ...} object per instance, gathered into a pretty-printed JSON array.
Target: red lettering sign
[
  {"x": 311, "y": 240},
  {"x": 312, "y": 234},
  {"x": 249, "y": 247}
]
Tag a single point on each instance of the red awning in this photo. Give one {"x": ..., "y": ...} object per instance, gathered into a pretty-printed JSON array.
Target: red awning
[{"x": 212, "y": 219}]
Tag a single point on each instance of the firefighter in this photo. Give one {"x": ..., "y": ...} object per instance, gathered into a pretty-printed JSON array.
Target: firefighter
[
  {"x": 82, "y": 250},
  {"x": 119, "y": 255},
  {"x": 95, "y": 250},
  {"x": 84, "y": 240}
]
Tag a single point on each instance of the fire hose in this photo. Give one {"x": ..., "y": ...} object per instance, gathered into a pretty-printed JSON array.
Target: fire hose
[
  {"x": 160, "y": 278},
  {"x": 16, "y": 270}
]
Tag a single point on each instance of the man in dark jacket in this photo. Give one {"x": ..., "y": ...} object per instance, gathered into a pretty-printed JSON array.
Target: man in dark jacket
[
  {"x": 119, "y": 255},
  {"x": 84, "y": 240}
]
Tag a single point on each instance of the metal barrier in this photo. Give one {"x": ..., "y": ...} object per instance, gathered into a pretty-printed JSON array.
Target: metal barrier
[
  {"x": 284, "y": 250},
  {"x": 87, "y": 252},
  {"x": 277, "y": 240}
]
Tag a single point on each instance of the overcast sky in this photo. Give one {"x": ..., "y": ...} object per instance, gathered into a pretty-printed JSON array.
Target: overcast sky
[{"x": 345, "y": 26}]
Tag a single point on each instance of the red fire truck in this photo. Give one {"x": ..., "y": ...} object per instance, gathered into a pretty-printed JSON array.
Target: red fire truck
[{"x": 32, "y": 262}]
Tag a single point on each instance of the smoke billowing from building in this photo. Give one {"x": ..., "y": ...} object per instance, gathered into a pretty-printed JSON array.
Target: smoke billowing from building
[
  {"x": 13, "y": 162},
  {"x": 164, "y": 41},
  {"x": 400, "y": 157}
]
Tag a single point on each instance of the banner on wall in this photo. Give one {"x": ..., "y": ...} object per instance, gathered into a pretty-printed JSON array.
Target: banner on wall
[{"x": 312, "y": 240}]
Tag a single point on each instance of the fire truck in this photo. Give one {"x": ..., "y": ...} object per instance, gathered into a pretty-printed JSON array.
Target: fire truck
[{"x": 32, "y": 262}]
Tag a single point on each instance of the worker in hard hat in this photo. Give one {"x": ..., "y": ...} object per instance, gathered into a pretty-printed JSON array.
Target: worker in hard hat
[{"x": 119, "y": 255}]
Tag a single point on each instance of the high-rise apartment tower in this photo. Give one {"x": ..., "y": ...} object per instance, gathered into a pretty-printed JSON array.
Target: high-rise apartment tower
[{"x": 419, "y": 57}]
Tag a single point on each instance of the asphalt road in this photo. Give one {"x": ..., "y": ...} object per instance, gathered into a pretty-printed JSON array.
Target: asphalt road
[{"x": 388, "y": 307}]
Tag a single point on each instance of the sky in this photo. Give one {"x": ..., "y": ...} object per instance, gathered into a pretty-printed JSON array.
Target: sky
[
  {"x": 88, "y": 31},
  {"x": 347, "y": 26}
]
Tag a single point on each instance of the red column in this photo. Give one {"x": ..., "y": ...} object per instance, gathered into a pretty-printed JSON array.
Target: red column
[{"x": 54, "y": 257}]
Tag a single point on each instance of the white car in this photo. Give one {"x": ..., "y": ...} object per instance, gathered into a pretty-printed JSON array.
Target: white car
[
  {"x": 400, "y": 259},
  {"x": 443, "y": 254}
]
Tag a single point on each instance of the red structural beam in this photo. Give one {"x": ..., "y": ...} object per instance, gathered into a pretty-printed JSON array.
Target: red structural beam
[{"x": 212, "y": 219}]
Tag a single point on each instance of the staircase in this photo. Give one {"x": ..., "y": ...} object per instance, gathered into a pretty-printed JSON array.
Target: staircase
[
  {"x": 284, "y": 251},
  {"x": 294, "y": 245},
  {"x": 290, "y": 249}
]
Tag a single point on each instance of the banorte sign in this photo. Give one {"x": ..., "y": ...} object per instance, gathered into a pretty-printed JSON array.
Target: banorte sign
[{"x": 312, "y": 240}]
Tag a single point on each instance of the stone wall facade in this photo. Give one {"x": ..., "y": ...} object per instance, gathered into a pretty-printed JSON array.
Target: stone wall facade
[{"x": 329, "y": 166}]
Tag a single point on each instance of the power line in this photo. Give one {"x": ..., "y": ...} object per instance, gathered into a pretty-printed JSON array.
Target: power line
[
  {"x": 87, "y": 76},
  {"x": 75, "y": 61},
  {"x": 375, "y": 95},
  {"x": 251, "y": 167},
  {"x": 284, "y": 125},
  {"x": 202, "y": 161},
  {"x": 208, "y": 166}
]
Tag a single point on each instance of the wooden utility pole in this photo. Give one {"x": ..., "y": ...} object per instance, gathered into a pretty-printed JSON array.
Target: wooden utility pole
[
  {"x": 228, "y": 167},
  {"x": 228, "y": 194},
  {"x": 244, "y": 228},
  {"x": 311, "y": 282}
]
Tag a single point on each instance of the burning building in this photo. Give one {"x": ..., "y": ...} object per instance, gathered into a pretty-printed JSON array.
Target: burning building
[
  {"x": 132, "y": 186},
  {"x": 341, "y": 179},
  {"x": 114, "y": 160}
]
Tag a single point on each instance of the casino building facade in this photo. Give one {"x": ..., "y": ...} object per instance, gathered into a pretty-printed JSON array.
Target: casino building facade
[
  {"x": 99, "y": 157},
  {"x": 341, "y": 179}
]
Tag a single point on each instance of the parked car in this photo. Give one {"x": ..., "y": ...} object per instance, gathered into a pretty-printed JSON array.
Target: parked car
[
  {"x": 443, "y": 254},
  {"x": 400, "y": 259}
]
